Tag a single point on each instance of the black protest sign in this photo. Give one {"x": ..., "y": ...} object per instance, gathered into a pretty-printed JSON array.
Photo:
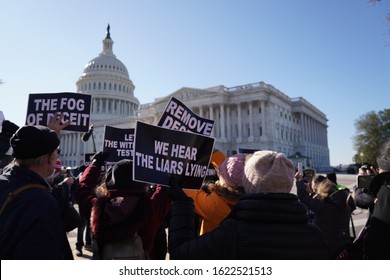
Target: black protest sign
[
  {"x": 88, "y": 158},
  {"x": 88, "y": 161},
  {"x": 169, "y": 157},
  {"x": 178, "y": 116},
  {"x": 76, "y": 107},
  {"x": 118, "y": 142}
]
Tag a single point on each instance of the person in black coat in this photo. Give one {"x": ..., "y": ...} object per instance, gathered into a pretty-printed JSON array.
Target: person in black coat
[
  {"x": 268, "y": 222},
  {"x": 377, "y": 241},
  {"x": 331, "y": 212},
  {"x": 31, "y": 226}
]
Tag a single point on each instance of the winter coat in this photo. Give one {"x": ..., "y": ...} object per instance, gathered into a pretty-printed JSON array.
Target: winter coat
[
  {"x": 260, "y": 226},
  {"x": 31, "y": 226},
  {"x": 377, "y": 242},
  {"x": 212, "y": 207},
  {"x": 122, "y": 213},
  {"x": 332, "y": 216}
]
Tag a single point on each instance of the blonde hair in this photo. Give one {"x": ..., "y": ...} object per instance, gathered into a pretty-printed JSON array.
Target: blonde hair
[{"x": 325, "y": 188}]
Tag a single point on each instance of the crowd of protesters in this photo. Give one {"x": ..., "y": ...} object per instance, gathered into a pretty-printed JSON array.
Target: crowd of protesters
[{"x": 247, "y": 212}]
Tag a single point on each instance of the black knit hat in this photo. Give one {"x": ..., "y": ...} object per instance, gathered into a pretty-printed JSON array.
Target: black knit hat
[
  {"x": 332, "y": 176},
  {"x": 120, "y": 176},
  {"x": 33, "y": 141}
]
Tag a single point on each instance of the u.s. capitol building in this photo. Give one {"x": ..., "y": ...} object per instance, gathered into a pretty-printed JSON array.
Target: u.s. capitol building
[{"x": 252, "y": 116}]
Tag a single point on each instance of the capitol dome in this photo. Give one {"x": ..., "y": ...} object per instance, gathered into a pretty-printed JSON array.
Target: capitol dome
[{"x": 106, "y": 78}]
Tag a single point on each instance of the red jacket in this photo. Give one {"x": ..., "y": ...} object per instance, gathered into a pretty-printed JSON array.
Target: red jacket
[{"x": 122, "y": 213}]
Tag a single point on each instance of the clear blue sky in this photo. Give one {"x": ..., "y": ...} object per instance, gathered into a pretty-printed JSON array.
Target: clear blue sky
[{"x": 333, "y": 53}]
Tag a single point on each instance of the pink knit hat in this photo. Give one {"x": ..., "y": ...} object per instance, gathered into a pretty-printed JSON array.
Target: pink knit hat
[
  {"x": 232, "y": 170},
  {"x": 268, "y": 171}
]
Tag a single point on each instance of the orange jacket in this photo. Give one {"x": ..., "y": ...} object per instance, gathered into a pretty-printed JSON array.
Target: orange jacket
[{"x": 212, "y": 208}]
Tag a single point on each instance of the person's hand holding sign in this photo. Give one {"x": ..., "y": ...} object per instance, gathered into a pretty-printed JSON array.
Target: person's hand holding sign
[
  {"x": 175, "y": 192},
  {"x": 56, "y": 124}
]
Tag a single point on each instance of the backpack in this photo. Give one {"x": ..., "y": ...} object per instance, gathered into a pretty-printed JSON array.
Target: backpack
[
  {"x": 127, "y": 249},
  {"x": 12, "y": 195}
]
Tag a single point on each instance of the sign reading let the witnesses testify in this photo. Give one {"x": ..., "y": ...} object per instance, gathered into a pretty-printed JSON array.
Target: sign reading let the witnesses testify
[
  {"x": 118, "y": 142},
  {"x": 169, "y": 157},
  {"x": 76, "y": 107},
  {"x": 178, "y": 116}
]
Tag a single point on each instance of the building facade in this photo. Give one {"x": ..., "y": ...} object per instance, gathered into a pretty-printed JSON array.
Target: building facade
[
  {"x": 113, "y": 103},
  {"x": 253, "y": 116}
]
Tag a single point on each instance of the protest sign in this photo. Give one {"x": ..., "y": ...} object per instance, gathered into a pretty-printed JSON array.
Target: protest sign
[
  {"x": 118, "y": 142},
  {"x": 169, "y": 157},
  {"x": 1, "y": 117},
  {"x": 76, "y": 107},
  {"x": 88, "y": 160},
  {"x": 217, "y": 158},
  {"x": 178, "y": 116}
]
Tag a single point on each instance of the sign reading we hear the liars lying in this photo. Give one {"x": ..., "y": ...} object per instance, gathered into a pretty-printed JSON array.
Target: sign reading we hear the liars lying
[
  {"x": 170, "y": 157},
  {"x": 76, "y": 107}
]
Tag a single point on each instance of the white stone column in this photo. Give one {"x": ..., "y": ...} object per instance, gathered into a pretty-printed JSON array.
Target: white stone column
[
  {"x": 228, "y": 123},
  {"x": 239, "y": 123},
  {"x": 263, "y": 121},
  {"x": 222, "y": 121},
  {"x": 201, "y": 111},
  {"x": 308, "y": 130},
  {"x": 313, "y": 141},
  {"x": 78, "y": 140},
  {"x": 302, "y": 132},
  {"x": 94, "y": 105},
  {"x": 211, "y": 112},
  {"x": 68, "y": 145},
  {"x": 251, "y": 137}
]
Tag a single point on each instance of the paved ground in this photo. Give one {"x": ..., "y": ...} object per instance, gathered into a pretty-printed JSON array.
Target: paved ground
[{"x": 72, "y": 237}]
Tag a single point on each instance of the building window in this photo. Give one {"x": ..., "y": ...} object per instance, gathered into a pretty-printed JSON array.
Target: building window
[
  {"x": 100, "y": 86},
  {"x": 261, "y": 131},
  {"x": 260, "y": 110}
]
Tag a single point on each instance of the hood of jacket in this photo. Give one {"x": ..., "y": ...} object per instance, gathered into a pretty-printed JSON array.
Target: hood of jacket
[
  {"x": 119, "y": 215},
  {"x": 270, "y": 207}
]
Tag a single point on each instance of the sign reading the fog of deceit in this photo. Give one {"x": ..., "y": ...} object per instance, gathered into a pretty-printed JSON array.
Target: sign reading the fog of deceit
[{"x": 76, "y": 107}]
